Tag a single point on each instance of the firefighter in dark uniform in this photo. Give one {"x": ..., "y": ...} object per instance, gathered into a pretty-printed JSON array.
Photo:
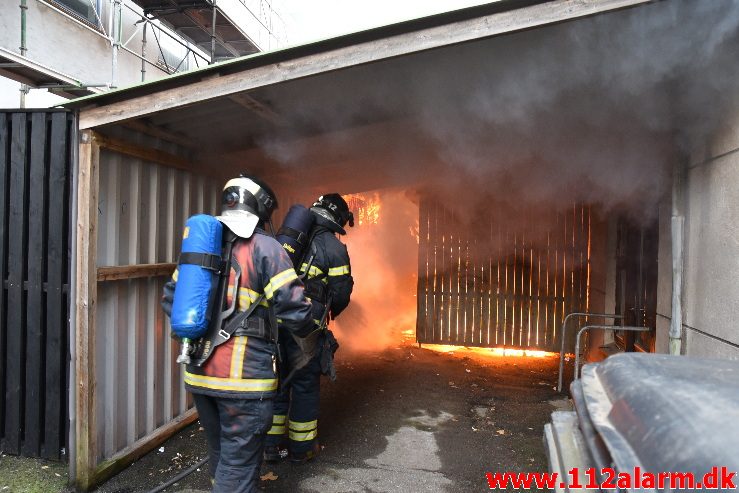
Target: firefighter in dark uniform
[
  {"x": 328, "y": 284},
  {"x": 234, "y": 388}
]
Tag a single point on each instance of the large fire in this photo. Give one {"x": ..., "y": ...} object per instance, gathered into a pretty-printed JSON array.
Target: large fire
[
  {"x": 365, "y": 207},
  {"x": 493, "y": 352}
]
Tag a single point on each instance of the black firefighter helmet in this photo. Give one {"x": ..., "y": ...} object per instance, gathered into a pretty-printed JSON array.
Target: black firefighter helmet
[{"x": 333, "y": 207}]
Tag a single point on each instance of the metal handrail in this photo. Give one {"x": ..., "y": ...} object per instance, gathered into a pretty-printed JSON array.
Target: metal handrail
[
  {"x": 611, "y": 327},
  {"x": 564, "y": 329}
]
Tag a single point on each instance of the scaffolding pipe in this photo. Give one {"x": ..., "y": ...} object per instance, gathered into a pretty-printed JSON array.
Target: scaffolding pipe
[
  {"x": 143, "y": 52},
  {"x": 116, "y": 39},
  {"x": 564, "y": 332},
  {"x": 213, "y": 35},
  {"x": 23, "y": 48},
  {"x": 677, "y": 224}
]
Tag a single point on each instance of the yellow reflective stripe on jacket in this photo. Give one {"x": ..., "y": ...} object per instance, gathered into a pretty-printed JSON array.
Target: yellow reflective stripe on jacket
[
  {"x": 304, "y": 425},
  {"x": 278, "y": 281},
  {"x": 233, "y": 384},
  {"x": 314, "y": 271},
  {"x": 279, "y": 419},
  {"x": 338, "y": 271},
  {"x": 247, "y": 297},
  {"x": 237, "y": 357},
  {"x": 298, "y": 436}
]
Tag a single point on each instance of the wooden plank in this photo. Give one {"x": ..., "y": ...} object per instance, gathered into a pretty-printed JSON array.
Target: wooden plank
[
  {"x": 516, "y": 298},
  {"x": 422, "y": 321},
  {"x": 505, "y": 278},
  {"x": 138, "y": 271},
  {"x": 4, "y": 172},
  {"x": 498, "y": 283},
  {"x": 56, "y": 315},
  {"x": 259, "y": 108},
  {"x": 441, "y": 285},
  {"x": 470, "y": 289},
  {"x": 85, "y": 307},
  {"x": 135, "y": 451},
  {"x": 33, "y": 425},
  {"x": 436, "y": 309},
  {"x": 147, "y": 128},
  {"x": 548, "y": 324},
  {"x": 210, "y": 87},
  {"x": 16, "y": 272},
  {"x": 459, "y": 278},
  {"x": 146, "y": 153}
]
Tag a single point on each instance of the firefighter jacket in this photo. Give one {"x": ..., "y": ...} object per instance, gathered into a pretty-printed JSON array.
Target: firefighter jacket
[
  {"x": 330, "y": 271},
  {"x": 245, "y": 367}
]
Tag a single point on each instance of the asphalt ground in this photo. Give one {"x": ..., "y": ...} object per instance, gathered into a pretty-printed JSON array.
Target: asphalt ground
[{"x": 403, "y": 419}]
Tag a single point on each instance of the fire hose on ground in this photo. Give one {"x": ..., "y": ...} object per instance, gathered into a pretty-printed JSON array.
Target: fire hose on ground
[{"x": 180, "y": 476}]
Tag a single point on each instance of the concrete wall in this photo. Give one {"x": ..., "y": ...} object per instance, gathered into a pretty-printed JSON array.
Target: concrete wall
[
  {"x": 711, "y": 296},
  {"x": 664, "y": 279},
  {"x": 711, "y": 267}
]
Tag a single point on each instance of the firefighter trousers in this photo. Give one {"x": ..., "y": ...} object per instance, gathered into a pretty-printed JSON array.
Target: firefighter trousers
[
  {"x": 296, "y": 407},
  {"x": 235, "y": 430}
]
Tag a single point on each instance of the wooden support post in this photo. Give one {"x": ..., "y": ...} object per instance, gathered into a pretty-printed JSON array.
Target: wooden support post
[{"x": 85, "y": 306}]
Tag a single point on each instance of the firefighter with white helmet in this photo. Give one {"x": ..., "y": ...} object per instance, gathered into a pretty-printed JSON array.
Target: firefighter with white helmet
[{"x": 233, "y": 388}]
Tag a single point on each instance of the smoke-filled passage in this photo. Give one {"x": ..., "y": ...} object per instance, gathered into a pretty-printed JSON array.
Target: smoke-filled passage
[
  {"x": 384, "y": 254},
  {"x": 596, "y": 111}
]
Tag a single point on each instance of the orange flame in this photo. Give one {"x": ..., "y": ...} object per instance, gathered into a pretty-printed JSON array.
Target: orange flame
[
  {"x": 493, "y": 352},
  {"x": 366, "y": 209}
]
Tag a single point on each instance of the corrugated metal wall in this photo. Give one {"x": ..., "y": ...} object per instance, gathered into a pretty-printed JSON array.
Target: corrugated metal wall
[{"x": 142, "y": 209}]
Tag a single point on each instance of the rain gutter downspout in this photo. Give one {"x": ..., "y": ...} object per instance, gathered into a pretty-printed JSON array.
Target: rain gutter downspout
[
  {"x": 677, "y": 233},
  {"x": 23, "y": 48},
  {"x": 117, "y": 25}
]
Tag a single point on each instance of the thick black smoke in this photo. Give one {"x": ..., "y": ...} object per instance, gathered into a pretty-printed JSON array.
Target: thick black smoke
[{"x": 596, "y": 110}]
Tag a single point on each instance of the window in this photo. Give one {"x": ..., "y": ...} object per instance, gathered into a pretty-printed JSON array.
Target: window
[{"x": 84, "y": 9}]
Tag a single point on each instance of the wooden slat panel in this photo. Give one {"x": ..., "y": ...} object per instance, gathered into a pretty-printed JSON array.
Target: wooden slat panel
[
  {"x": 16, "y": 273},
  {"x": 511, "y": 289},
  {"x": 456, "y": 243},
  {"x": 423, "y": 274},
  {"x": 56, "y": 313},
  {"x": 4, "y": 172},
  {"x": 433, "y": 279},
  {"x": 36, "y": 246},
  {"x": 441, "y": 309}
]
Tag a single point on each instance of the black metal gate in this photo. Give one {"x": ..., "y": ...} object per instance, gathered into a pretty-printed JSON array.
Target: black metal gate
[
  {"x": 35, "y": 166},
  {"x": 507, "y": 279}
]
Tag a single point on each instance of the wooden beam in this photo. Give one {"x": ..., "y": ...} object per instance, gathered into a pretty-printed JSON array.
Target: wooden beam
[
  {"x": 85, "y": 307},
  {"x": 133, "y": 452},
  {"x": 350, "y": 56},
  {"x": 115, "y": 273},
  {"x": 259, "y": 108},
  {"x": 148, "y": 128},
  {"x": 147, "y": 154}
]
